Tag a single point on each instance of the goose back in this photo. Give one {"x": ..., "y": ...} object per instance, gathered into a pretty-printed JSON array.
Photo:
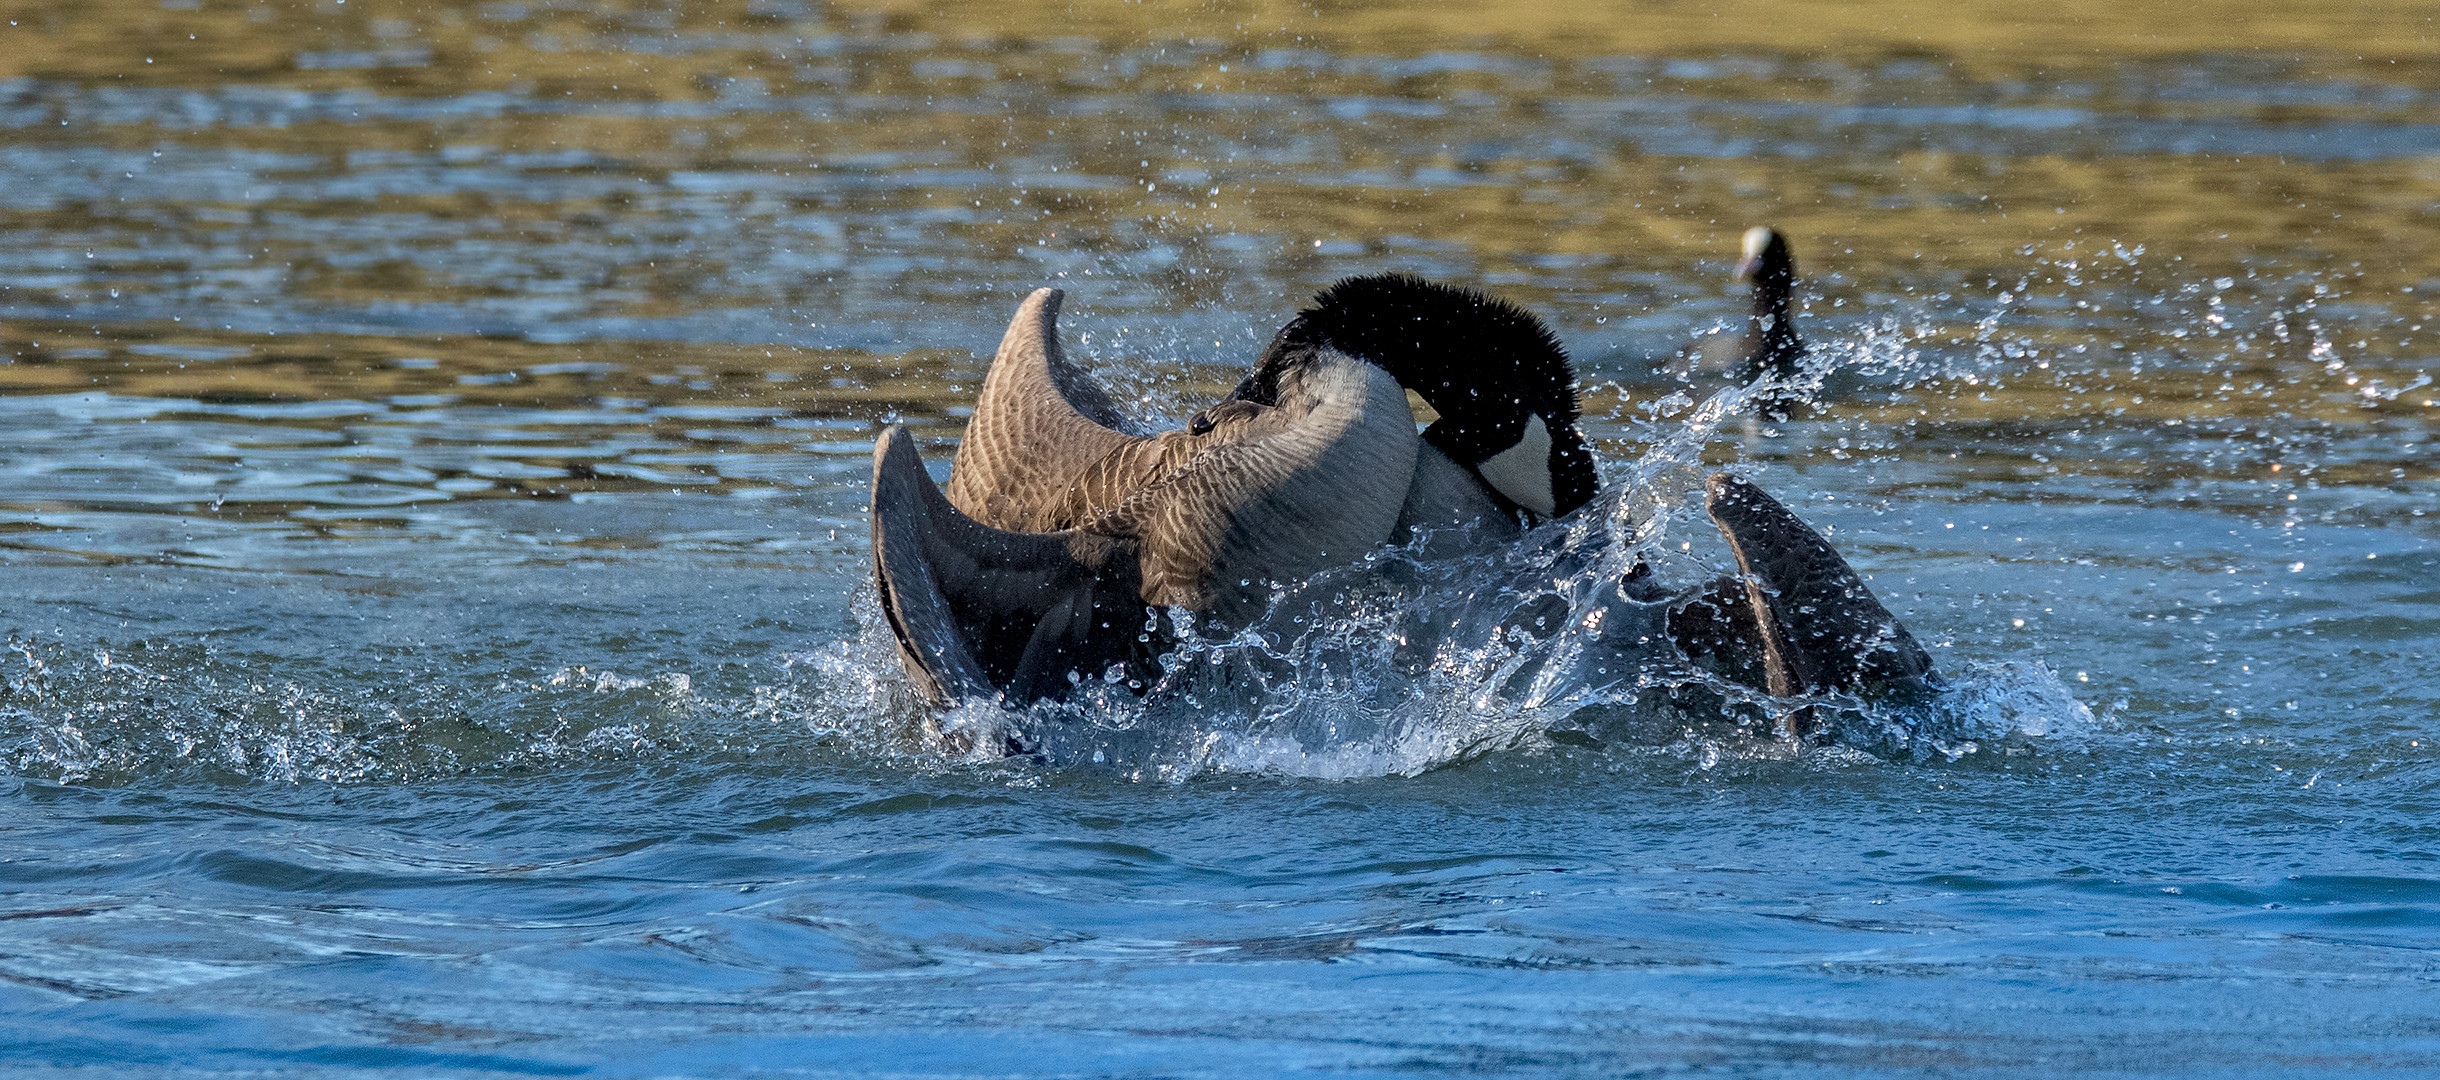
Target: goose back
[
  {"x": 1265, "y": 493},
  {"x": 1253, "y": 492}
]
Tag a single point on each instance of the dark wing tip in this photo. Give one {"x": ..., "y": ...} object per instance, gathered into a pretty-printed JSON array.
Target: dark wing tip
[
  {"x": 939, "y": 662},
  {"x": 1825, "y": 628},
  {"x": 982, "y": 612}
]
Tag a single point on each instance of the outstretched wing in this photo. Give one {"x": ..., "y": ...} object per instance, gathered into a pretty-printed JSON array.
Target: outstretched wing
[
  {"x": 980, "y": 611},
  {"x": 1040, "y": 423}
]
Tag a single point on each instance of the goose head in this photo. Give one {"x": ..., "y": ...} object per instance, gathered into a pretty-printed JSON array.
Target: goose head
[
  {"x": 1501, "y": 383},
  {"x": 1767, "y": 262}
]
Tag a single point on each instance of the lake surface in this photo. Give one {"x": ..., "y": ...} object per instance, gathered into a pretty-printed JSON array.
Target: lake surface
[{"x": 434, "y": 442}]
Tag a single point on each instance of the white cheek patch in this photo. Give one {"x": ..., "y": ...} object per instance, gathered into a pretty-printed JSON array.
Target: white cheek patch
[{"x": 1522, "y": 472}]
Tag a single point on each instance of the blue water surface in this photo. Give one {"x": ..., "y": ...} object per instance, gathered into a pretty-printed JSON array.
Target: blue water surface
[{"x": 433, "y": 561}]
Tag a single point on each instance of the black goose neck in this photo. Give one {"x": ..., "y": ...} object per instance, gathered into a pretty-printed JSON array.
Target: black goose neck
[
  {"x": 1771, "y": 341},
  {"x": 1774, "y": 282}
]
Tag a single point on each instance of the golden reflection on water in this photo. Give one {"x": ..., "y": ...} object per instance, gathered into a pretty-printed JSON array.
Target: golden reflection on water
[
  {"x": 961, "y": 142},
  {"x": 1019, "y": 60},
  {"x": 455, "y": 46},
  {"x": 245, "y": 369},
  {"x": 1968, "y": 209}
]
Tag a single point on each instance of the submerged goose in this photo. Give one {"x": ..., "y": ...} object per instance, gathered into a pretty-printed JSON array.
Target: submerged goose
[{"x": 1064, "y": 528}]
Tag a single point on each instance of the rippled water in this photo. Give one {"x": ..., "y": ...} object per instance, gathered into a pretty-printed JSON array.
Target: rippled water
[{"x": 433, "y": 442}]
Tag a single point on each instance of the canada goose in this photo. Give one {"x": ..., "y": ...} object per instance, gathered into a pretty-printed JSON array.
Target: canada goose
[
  {"x": 1058, "y": 510},
  {"x": 1063, "y": 529},
  {"x": 1770, "y": 345}
]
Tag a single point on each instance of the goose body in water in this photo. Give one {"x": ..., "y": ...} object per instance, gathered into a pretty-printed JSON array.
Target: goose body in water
[{"x": 1064, "y": 529}]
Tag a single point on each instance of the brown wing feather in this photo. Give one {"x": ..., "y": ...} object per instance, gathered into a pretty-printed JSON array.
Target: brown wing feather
[
  {"x": 1266, "y": 494},
  {"x": 1039, "y": 425},
  {"x": 1260, "y": 493}
]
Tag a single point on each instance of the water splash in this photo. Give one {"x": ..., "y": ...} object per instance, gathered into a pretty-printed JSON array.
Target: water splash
[
  {"x": 1406, "y": 662},
  {"x": 154, "y": 709},
  {"x": 1413, "y": 659}
]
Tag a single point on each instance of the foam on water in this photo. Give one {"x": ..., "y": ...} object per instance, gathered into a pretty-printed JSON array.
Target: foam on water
[{"x": 160, "y": 709}]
